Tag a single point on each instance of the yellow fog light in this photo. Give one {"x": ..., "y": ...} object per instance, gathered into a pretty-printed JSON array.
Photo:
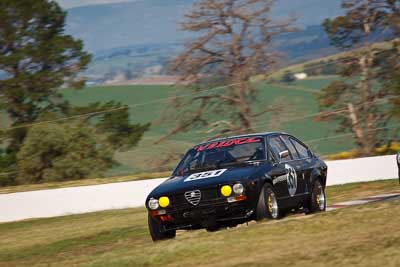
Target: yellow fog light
[
  {"x": 164, "y": 202},
  {"x": 226, "y": 190}
]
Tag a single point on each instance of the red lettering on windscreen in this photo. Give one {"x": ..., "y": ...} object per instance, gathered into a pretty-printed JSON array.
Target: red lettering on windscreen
[{"x": 230, "y": 142}]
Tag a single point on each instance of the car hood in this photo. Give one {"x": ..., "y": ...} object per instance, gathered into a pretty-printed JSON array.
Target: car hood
[{"x": 178, "y": 184}]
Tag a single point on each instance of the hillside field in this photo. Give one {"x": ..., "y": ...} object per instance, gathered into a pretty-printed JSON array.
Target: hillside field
[{"x": 298, "y": 99}]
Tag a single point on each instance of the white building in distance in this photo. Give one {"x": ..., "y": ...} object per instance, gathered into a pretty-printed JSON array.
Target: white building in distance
[{"x": 300, "y": 76}]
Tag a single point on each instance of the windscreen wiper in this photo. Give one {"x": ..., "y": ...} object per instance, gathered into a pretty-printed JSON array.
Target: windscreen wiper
[
  {"x": 240, "y": 163},
  {"x": 201, "y": 169}
]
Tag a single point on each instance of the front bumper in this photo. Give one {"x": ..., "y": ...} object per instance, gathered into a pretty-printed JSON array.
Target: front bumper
[{"x": 207, "y": 215}]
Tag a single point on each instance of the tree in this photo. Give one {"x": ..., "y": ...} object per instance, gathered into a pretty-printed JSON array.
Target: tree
[
  {"x": 37, "y": 58},
  {"x": 114, "y": 126},
  {"x": 232, "y": 44},
  {"x": 6, "y": 160},
  {"x": 358, "y": 94},
  {"x": 389, "y": 60},
  {"x": 288, "y": 77},
  {"x": 62, "y": 152},
  {"x": 77, "y": 149}
]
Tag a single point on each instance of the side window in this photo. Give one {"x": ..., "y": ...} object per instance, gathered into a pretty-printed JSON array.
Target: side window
[
  {"x": 271, "y": 156},
  {"x": 301, "y": 149},
  {"x": 277, "y": 146},
  {"x": 290, "y": 146}
]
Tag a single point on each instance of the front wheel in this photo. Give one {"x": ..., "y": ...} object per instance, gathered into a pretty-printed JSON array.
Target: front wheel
[
  {"x": 214, "y": 228},
  {"x": 267, "y": 206},
  {"x": 155, "y": 230},
  {"x": 317, "y": 201}
]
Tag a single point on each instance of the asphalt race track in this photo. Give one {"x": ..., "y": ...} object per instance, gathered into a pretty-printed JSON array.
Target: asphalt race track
[{"x": 383, "y": 197}]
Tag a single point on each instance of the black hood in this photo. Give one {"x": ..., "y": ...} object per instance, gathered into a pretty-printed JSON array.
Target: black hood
[{"x": 178, "y": 184}]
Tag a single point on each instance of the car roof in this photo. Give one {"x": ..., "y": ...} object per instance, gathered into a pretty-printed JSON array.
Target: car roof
[{"x": 239, "y": 136}]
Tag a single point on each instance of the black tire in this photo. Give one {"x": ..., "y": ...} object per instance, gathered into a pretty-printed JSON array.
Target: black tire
[
  {"x": 317, "y": 200},
  {"x": 267, "y": 206},
  {"x": 155, "y": 230},
  {"x": 215, "y": 229}
]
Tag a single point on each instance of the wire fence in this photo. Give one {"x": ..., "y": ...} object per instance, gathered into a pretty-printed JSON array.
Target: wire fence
[
  {"x": 155, "y": 101},
  {"x": 255, "y": 126},
  {"x": 204, "y": 136}
]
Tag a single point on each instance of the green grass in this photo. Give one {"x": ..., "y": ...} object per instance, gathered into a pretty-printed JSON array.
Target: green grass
[
  {"x": 298, "y": 99},
  {"x": 359, "y": 236}
]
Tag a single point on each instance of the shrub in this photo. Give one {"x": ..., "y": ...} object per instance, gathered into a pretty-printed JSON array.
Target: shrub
[{"x": 61, "y": 152}]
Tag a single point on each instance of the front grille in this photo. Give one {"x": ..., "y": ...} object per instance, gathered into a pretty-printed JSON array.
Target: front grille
[
  {"x": 193, "y": 197},
  {"x": 201, "y": 198}
]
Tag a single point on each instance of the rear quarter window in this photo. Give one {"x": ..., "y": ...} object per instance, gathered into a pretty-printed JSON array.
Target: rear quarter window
[
  {"x": 290, "y": 146},
  {"x": 277, "y": 146},
  {"x": 302, "y": 150}
]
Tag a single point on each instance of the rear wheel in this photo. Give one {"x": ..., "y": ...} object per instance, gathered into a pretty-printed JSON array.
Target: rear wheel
[
  {"x": 267, "y": 206},
  {"x": 215, "y": 228},
  {"x": 155, "y": 230},
  {"x": 317, "y": 201}
]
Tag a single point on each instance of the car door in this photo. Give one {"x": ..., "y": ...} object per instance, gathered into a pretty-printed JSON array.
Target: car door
[
  {"x": 298, "y": 163},
  {"x": 307, "y": 160},
  {"x": 279, "y": 171}
]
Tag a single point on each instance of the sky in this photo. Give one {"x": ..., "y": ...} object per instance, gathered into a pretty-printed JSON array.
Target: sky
[{"x": 76, "y": 3}]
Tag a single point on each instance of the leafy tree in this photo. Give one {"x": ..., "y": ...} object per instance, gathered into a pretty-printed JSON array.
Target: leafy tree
[
  {"x": 288, "y": 77},
  {"x": 62, "y": 152},
  {"x": 7, "y": 161},
  {"x": 232, "y": 44},
  {"x": 36, "y": 59},
  {"x": 389, "y": 59},
  {"x": 359, "y": 94},
  {"x": 114, "y": 126},
  {"x": 77, "y": 149}
]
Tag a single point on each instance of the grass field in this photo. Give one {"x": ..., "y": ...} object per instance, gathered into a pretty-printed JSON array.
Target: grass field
[
  {"x": 366, "y": 235},
  {"x": 298, "y": 98}
]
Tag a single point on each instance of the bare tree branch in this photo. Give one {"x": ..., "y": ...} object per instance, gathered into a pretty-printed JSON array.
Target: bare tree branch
[{"x": 233, "y": 44}]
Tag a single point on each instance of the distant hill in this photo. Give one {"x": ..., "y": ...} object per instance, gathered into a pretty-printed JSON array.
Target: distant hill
[
  {"x": 124, "y": 24},
  {"x": 135, "y": 39},
  {"x": 140, "y": 60},
  {"x": 156, "y": 21},
  {"x": 309, "y": 43}
]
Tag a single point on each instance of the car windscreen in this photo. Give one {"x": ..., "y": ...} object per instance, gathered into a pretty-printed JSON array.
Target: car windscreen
[{"x": 235, "y": 151}]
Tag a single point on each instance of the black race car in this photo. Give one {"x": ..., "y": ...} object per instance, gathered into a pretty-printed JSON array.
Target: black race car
[{"x": 229, "y": 181}]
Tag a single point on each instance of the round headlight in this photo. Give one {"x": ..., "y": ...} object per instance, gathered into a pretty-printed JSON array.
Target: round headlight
[
  {"x": 153, "y": 203},
  {"x": 238, "y": 189},
  {"x": 164, "y": 202},
  {"x": 226, "y": 190}
]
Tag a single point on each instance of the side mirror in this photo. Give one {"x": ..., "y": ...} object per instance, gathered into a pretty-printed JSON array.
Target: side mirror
[{"x": 283, "y": 154}]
